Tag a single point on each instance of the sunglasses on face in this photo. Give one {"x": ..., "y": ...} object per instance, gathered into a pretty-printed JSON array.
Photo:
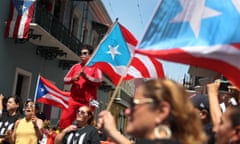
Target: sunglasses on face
[
  {"x": 83, "y": 53},
  {"x": 135, "y": 102},
  {"x": 29, "y": 105},
  {"x": 82, "y": 112}
]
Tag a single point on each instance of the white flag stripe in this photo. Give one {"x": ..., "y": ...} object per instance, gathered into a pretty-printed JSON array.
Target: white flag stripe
[
  {"x": 120, "y": 70},
  {"x": 23, "y": 21},
  {"x": 55, "y": 93},
  {"x": 148, "y": 64},
  {"x": 131, "y": 48},
  {"x": 51, "y": 97},
  {"x": 132, "y": 71},
  {"x": 226, "y": 53},
  {"x": 13, "y": 22}
]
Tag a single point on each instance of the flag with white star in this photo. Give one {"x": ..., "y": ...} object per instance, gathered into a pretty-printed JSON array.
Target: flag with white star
[
  {"x": 20, "y": 17},
  {"x": 48, "y": 93},
  {"x": 202, "y": 33},
  {"x": 112, "y": 55}
]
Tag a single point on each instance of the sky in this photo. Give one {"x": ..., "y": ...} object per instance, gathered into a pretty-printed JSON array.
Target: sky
[{"x": 135, "y": 15}]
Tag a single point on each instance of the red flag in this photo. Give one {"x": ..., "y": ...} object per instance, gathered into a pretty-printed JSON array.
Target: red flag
[
  {"x": 21, "y": 13},
  {"x": 48, "y": 93}
]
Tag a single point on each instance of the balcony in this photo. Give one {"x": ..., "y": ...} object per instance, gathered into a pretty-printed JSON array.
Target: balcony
[{"x": 48, "y": 33}]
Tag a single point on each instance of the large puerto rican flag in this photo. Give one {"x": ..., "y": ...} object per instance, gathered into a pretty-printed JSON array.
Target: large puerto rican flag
[
  {"x": 115, "y": 57},
  {"x": 21, "y": 13},
  {"x": 48, "y": 93},
  {"x": 204, "y": 33}
]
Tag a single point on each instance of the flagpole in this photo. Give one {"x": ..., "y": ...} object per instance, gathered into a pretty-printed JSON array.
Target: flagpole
[
  {"x": 35, "y": 95},
  {"x": 118, "y": 85}
]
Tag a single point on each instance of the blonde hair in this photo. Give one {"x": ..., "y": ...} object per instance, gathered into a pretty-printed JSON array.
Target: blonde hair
[{"x": 183, "y": 120}]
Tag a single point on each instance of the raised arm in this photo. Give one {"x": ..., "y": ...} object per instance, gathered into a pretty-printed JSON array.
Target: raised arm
[
  {"x": 215, "y": 109},
  {"x": 38, "y": 127},
  {"x": 1, "y": 103}
]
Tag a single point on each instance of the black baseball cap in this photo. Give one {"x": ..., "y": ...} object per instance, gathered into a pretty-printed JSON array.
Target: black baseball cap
[{"x": 200, "y": 102}]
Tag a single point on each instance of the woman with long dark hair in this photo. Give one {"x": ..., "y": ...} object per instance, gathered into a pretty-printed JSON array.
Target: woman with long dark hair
[{"x": 10, "y": 114}]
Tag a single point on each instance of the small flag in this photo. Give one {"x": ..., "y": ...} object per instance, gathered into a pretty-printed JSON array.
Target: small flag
[
  {"x": 94, "y": 103},
  {"x": 48, "y": 93}
]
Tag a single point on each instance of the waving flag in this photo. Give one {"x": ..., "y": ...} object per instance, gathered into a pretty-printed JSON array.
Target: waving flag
[
  {"x": 114, "y": 53},
  {"x": 202, "y": 33},
  {"x": 48, "y": 93},
  {"x": 21, "y": 13},
  {"x": 141, "y": 66}
]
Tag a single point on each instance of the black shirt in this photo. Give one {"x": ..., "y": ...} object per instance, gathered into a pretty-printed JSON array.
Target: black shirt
[
  {"x": 7, "y": 122},
  {"x": 85, "y": 135}
]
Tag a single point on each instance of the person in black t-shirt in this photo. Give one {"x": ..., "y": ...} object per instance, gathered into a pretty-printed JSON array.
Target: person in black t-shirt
[
  {"x": 8, "y": 117},
  {"x": 81, "y": 131},
  {"x": 39, "y": 114}
]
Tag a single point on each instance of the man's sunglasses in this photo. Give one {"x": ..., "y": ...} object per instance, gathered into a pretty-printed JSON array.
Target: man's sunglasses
[{"x": 84, "y": 53}]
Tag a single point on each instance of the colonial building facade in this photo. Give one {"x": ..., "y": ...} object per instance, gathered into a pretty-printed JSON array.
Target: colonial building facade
[{"x": 58, "y": 30}]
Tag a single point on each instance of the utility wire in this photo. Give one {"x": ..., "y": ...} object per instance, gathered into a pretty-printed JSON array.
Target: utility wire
[
  {"x": 140, "y": 12},
  {"x": 110, "y": 5}
]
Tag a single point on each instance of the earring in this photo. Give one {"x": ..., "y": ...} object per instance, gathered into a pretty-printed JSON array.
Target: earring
[{"x": 162, "y": 129}]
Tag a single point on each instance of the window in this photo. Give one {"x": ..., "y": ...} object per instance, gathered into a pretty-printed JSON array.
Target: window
[
  {"x": 22, "y": 83},
  {"x": 75, "y": 26}
]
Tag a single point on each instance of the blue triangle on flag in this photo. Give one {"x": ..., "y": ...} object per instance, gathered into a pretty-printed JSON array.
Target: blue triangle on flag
[
  {"x": 41, "y": 89},
  {"x": 22, "y": 5}
]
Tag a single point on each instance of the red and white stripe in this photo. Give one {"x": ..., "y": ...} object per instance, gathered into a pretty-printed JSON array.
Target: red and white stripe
[
  {"x": 55, "y": 96},
  {"x": 143, "y": 66},
  {"x": 220, "y": 58}
]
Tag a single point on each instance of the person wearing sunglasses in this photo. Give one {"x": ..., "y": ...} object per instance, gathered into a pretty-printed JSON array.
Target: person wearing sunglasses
[
  {"x": 85, "y": 81},
  {"x": 29, "y": 129},
  {"x": 160, "y": 112},
  {"x": 81, "y": 131}
]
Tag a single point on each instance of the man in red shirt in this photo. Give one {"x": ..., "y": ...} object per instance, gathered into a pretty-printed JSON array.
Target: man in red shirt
[{"x": 85, "y": 81}]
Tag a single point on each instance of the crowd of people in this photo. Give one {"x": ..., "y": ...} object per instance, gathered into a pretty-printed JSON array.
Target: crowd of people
[{"x": 160, "y": 112}]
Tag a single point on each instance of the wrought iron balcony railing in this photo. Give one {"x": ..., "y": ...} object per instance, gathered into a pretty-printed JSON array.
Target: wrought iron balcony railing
[{"x": 52, "y": 25}]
